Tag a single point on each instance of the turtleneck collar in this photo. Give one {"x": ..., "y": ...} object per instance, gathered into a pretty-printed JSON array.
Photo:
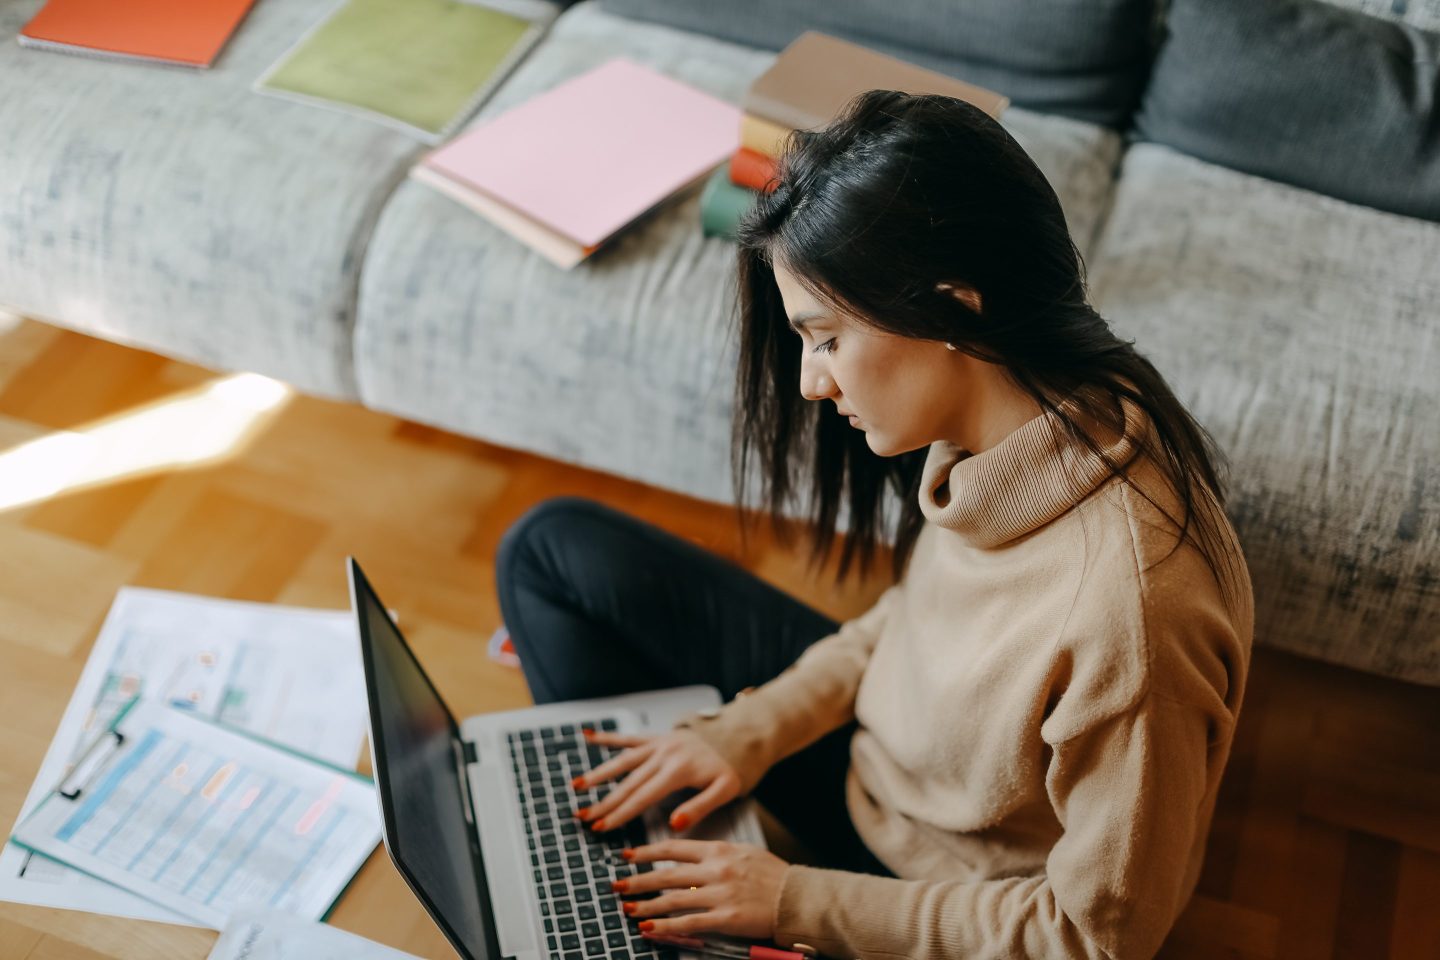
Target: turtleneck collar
[{"x": 1020, "y": 484}]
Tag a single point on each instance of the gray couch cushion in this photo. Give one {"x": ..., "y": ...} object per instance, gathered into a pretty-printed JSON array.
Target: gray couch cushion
[
  {"x": 1305, "y": 93},
  {"x": 1303, "y": 332},
  {"x": 1424, "y": 14},
  {"x": 180, "y": 211},
  {"x": 623, "y": 364},
  {"x": 1079, "y": 58}
]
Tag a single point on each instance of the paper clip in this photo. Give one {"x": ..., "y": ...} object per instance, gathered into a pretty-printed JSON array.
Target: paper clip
[{"x": 90, "y": 761}]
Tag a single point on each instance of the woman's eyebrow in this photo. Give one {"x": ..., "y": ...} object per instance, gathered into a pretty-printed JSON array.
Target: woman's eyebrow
[{"x": 798, "y": 323}]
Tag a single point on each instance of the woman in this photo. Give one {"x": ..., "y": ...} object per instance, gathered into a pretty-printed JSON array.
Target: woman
[{"x": 1016, "y": 751}]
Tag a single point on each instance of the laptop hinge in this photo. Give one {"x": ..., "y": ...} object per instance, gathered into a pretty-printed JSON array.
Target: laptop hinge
[
  {"x": 464, "y": 755},
  {"x": 467, "y": 748}
]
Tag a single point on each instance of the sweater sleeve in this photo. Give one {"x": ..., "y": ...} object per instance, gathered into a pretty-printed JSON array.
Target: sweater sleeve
[
  {"x": 1131, "y": 796},
  {"x": 810, "y": 698}
]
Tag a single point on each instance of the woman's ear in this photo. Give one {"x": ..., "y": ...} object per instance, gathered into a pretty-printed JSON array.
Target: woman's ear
[{"x": 965, "y": 294}]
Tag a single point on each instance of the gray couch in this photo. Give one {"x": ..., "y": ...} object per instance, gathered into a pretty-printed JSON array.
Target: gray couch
[{"x": 186, "y": 214}]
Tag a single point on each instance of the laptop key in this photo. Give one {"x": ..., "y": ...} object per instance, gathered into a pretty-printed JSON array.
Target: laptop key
[
  {"x": 563, "y": 905},
  {"x": 587, "y": 911},
  {"x": 570, "y": 941},
  {"x": 611, "y": 921},
  {"x": 557, "y": 890},
  {"x": 565, "y": 924},
  {"x": 616, "y": 940},
  {"x": 588, "y": 930},
  {"x": 555, "y": 873},
  {"x": 595, "y": 948},
  {"x": 607, "y": 724},
  {"x": 583, "y": 895}
]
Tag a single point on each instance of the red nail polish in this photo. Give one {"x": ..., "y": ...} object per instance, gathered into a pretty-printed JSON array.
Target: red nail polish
[
  {"x": 587, "y": 732},
  {"x": 628, "y": 853},
  {"x": 578, "y": 783},
  {"x": 679, "y": 821},
  {"x": 619, "y": 886},
  {"x": 647, "y": 924},
  {"x": 598, "y": 826},
  {"x": 583, "y": 813},
  {"x": 629, "y": 907}
]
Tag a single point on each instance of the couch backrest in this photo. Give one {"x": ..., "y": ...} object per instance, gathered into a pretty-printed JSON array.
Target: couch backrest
[{"x": 1085, "y": 59}]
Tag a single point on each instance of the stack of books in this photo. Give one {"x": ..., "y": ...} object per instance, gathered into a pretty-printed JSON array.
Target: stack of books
[{"x": 806, "y": 87}]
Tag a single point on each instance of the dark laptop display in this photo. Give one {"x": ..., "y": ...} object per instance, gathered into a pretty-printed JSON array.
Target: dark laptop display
[{"x": 414, "y": 741}]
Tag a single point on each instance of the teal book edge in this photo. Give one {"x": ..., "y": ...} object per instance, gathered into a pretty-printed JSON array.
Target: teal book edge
[{"x": 723, "y": 203}]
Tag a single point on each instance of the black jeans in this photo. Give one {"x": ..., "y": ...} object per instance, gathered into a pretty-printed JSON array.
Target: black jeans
[{"x": 599, "y": 603}]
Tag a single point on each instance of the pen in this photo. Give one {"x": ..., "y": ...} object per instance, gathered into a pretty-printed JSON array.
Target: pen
[{"x": 737, "y": 951}]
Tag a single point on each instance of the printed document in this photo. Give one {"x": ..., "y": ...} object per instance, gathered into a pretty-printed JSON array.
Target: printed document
[
  {"x": 203, "y": 820},
  {"x": 289, "y": 674}
]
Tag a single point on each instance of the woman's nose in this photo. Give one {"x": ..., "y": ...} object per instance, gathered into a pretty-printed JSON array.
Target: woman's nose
[{"x": 814, "y": 384}]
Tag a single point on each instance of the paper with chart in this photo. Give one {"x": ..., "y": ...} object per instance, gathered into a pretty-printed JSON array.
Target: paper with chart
[
  {"x": 289, "y": 674},
  {"x": 205, "y": 821},
  {"x": 254, "y": 935}
]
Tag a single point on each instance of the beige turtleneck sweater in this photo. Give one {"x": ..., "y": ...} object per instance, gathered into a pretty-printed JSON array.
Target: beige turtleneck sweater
[{"x": 1046, "y": 703}]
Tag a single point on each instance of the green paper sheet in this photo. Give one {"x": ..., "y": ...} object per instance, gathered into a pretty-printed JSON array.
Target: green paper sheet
[{"x": 424, "y": 63}]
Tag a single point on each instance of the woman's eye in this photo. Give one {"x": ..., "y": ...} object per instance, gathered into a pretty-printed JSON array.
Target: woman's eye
[{"x": 827, "y": 347}]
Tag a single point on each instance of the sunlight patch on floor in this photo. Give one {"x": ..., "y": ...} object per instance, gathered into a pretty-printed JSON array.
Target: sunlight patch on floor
[{"x": 190, "y": 429}]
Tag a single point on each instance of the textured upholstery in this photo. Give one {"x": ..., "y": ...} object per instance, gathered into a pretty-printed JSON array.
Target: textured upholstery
[
  {"x": 1303, "y": 332},
  {"x": 1348, "y": 105},
  {"x": 181, "y": 211}
]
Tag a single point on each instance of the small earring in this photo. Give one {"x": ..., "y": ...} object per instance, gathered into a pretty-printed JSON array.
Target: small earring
[{"x": 951, "y": 346}]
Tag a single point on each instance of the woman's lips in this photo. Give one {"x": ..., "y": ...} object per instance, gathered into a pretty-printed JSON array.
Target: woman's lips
[{"x": 854, "y": 421}]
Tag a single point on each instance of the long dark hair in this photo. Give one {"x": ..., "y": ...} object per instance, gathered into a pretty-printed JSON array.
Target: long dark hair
[{"x": 897, "y": 194}]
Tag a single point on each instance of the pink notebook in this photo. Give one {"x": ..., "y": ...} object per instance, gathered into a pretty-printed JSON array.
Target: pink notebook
[{"x": 597, "y": 151}]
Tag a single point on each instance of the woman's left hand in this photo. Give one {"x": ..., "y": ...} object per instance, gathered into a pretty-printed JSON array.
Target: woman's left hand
[{"x": 735, "y": 886}]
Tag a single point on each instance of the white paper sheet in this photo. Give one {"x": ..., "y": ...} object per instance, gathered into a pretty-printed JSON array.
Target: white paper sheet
[
  {"x": 205, "y": 821},
  {"x": 254, "y": 935},
  {"x": 289, "y": 674}
]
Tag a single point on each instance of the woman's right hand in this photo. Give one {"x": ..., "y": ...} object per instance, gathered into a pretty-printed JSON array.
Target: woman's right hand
[{"x": 655, "y": 767}]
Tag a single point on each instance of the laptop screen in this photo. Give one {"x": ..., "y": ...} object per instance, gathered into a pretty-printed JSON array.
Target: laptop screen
[{"x": 413, "y": 739}]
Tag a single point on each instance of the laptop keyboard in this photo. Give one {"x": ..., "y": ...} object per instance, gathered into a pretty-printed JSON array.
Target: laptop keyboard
[{"x": 573, "y": 865}]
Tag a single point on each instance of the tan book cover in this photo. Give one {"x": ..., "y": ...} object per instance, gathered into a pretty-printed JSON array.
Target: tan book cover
[
  {"x": 762, "y": 136},
  {"x": 817, "y": 74}
]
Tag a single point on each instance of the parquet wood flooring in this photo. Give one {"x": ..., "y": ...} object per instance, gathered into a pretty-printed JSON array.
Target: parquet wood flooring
[{"x": 1326, "y": 842}]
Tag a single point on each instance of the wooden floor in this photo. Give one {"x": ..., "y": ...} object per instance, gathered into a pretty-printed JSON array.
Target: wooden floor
[{"x": 1326, "y": 842}]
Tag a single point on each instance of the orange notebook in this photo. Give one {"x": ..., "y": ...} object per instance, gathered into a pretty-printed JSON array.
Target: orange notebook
[
  {"x": 753, "y": 169},
  {"x": 187, "y": 33}
]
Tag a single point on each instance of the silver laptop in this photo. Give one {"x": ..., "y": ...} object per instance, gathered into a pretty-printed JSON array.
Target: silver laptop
[{"x": 478, "y": 816}]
